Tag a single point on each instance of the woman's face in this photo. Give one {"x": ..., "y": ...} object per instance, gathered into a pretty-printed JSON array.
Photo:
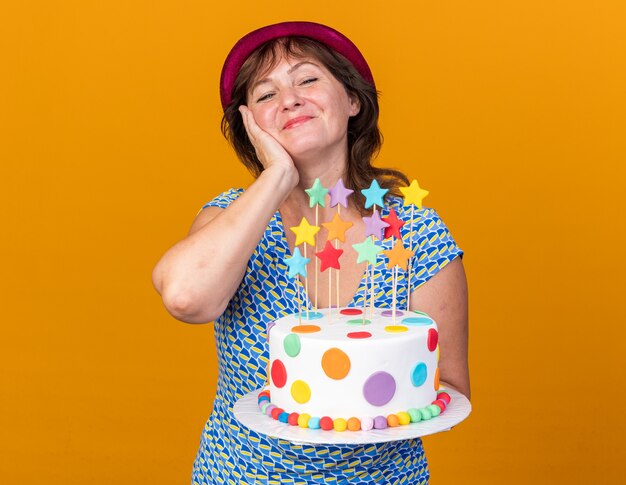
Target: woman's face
[{"x": 301, "y": 104}]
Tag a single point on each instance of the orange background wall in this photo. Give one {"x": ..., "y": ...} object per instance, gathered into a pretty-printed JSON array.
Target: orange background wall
[{"x": 511, "y": 113}]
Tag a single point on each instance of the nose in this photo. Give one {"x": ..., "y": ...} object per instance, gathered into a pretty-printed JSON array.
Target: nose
[{"x": 290, "y": 99}]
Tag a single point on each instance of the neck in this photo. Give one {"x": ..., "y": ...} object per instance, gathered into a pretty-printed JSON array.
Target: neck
[{"x": 329, "y": 166}]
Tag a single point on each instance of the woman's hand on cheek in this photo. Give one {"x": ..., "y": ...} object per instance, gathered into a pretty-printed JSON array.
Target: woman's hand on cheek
[{"x": 269, "y": 151}]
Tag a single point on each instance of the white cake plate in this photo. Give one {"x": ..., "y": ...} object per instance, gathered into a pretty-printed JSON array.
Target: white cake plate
[{"x": 247, "y": 412}]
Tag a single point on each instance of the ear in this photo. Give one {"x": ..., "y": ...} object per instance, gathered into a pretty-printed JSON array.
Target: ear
[{"x": 355, "y": 105}]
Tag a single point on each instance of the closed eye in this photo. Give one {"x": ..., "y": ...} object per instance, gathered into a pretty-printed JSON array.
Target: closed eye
[
  {"x": 309, "y": 80},
  {"x": 265, "y": 97}
]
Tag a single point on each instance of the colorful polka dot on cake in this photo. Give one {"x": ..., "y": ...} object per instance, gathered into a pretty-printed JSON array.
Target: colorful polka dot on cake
[
  {"x": 417, "y": 321},
  {"x": 350, "y": 311},
  {"x": 433, "y": 338},
  {"x": 300, "y": 391},
  {"x": 379, "y": 388},
  {"x": 419, "y": 374},
  {"x": 269, "y": 326},
  {"x": 359, "y": 335},
  {"x": 336, "y": 363},
  {"x": 396, "y": 328},
  {"x": 311, "y": 315},
  {"x": 278, "y": 374},
  {"x": 389, "y": 313},
  {"x": 292, "y": 345},
  {"x": 306, "y": 329}
]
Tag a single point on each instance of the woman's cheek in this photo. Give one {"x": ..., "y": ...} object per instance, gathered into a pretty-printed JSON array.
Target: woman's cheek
[{"x": 263, "y": 118}]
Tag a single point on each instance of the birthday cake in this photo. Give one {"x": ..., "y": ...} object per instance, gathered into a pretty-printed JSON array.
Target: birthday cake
[
  {"x": 358, "y": 371},
  {"x": 353, "y": 368}
]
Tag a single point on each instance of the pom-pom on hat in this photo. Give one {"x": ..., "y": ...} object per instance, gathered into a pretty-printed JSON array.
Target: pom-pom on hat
[{"x": 321, "y": 33}]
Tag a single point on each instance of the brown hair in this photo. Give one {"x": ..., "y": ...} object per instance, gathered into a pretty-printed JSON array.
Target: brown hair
[{"x": 364, "y": 136}]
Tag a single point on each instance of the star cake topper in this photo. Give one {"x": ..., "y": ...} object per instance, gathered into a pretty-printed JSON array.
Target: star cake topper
[
  {"x": 394, "y": 224},
  {"x": 339, "y": 194},
  {"x": 305, "y": 232},
  {"x": 316, "y": 192},
  {"x": 374, "y": 225},
  {"x": 297, "y": 264},
  {"x": 337, "y": 228},
  {"x": 374, "y": 195},
  {"x": 413, "y": 194},
  {"x": 329, "y": 257},
  {"x": 367, "y": 250},
  {"x": 398, "y": 255}
]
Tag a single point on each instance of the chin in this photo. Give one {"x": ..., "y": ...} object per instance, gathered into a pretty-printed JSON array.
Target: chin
[{"x": 305, "y": 148}]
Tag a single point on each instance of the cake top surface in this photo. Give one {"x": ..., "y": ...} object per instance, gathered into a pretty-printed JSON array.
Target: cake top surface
[{"x": 354, "y": 324}]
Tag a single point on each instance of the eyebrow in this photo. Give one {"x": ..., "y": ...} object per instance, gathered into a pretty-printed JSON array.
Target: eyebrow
[{"x": 289, "y": 71}]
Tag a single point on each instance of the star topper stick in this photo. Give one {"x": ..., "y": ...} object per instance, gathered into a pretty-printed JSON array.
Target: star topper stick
[
  {"x": 316, "y": 193},
  {"x": 374, "y": 195},
  {"x": 398, "y": 257},
  {"x": 339, "y": 197},
  {"x": 374, "y": 226},
  {"x": 393, "y": 231},
  {"x": 337, "y": 231},
  {"x": 297, "y": 266},
  {"x": 367, "y": 273},
  {"x": 367, "y": 251},
  {"x": 305, "y": 233},
  {"x": 329, "y": 257},
  {"x": 413, "y": 195}
]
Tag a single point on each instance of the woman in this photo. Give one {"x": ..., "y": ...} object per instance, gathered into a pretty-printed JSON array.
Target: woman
[{"x": 299, "y": 104}]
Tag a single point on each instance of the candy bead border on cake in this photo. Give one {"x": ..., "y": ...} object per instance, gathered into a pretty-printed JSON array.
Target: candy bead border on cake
[{"x": 352, "y": 423}]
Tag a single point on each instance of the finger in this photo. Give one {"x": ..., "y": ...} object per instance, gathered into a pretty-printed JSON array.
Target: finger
[
  {"x": 262, "y": 141},
  {"x": 252, "y": 129}
]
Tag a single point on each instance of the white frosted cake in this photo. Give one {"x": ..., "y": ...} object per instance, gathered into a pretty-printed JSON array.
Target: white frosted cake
[{"x": 353, "y": 371}]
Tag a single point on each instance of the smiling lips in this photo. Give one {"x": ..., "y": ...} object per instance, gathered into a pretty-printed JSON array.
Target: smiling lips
[{"x": 296, "y": 122}]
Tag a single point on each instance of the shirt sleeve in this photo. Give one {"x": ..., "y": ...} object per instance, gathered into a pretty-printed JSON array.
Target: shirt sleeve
[
  {"x": 224, "y": 199},
  {"x": 433, "y": 245}
]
